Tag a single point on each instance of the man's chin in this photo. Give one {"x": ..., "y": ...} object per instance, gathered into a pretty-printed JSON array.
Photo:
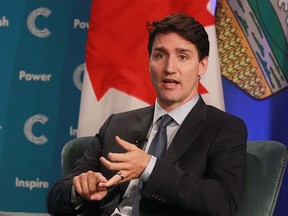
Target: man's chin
[{"x": 167, "y": 100}]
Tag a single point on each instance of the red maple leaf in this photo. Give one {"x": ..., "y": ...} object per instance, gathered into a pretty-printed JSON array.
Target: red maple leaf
[{"x": 117, "y": 55}]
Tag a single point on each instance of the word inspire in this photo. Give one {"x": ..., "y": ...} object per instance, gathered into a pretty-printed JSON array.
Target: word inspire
[
  {"x": 34, "y": 77},
  {"x": 73, "y": 131},
  {"x": 31, "y": 184}
]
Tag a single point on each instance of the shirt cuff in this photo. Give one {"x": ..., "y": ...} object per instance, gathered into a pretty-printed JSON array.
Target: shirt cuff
[
  {"x": 148, "y": 170},
  {"x": 76, "y": 201}
]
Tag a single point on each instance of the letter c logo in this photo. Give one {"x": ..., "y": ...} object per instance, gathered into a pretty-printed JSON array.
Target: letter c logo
[
  {"x": 32, "y": 19},
  {"x": 28, "y": 126},
  {"x": 77, "y": 76}
]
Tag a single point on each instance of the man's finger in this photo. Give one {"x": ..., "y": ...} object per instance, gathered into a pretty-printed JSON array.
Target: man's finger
[
  {"x": 125, "y": 145},
  {"x": 111, "y": 165},
  {"x": 100, "y": 177},
  {"x": 77, "y": 185},
  {"x": 101, "y": 192},
  {"x": 116, "y": 179}
]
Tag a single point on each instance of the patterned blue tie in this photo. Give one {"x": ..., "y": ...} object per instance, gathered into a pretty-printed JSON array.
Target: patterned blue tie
[{"x": 159, "y": 143}]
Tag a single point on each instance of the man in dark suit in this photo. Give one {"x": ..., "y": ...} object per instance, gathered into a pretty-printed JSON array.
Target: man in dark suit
[{"x": 200, "y": 173}]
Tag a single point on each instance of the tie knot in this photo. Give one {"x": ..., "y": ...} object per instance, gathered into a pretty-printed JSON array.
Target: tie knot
[{"x": 165, "y": 121}]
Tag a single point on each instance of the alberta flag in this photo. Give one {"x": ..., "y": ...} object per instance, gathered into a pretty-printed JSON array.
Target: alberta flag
[
  {"x": 117, "y": 76},
  {"x": 253, "y": 52}
]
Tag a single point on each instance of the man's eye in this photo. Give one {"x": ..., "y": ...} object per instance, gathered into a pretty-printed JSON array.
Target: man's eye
[
  {"x": 160, "y": 56},
  {"x": 183, "y": 57}
]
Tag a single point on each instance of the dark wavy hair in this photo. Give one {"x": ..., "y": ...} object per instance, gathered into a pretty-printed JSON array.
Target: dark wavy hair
[{"x": 185, "y": 26}]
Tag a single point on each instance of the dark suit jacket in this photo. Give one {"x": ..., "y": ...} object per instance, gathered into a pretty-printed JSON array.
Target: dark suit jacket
[{"x": 200, "y": 174}]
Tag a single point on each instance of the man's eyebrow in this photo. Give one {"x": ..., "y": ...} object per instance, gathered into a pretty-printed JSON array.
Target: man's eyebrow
[
  {"x": 159, "y": 48},
  {"x": 181, "y": 50}
]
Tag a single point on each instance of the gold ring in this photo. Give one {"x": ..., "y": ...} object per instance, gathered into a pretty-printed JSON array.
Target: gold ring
[{"x": 121, "y": 175}]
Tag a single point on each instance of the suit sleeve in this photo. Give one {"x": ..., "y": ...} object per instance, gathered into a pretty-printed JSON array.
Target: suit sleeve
[
  {"x": 211, "y": 186},
  {"x": 58, "y": 199}
]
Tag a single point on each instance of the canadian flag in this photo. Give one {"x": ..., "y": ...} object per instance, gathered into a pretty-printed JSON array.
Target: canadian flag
[{"x": 117, "y": 69}]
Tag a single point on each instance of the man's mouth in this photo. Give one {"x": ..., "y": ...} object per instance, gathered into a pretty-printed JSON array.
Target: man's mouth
[{"x": 170, "y": 81}]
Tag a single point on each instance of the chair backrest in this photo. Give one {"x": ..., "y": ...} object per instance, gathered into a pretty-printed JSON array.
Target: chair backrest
[
  {"x": 266, "y": 162},
  {"x": 72, "y": 151}
]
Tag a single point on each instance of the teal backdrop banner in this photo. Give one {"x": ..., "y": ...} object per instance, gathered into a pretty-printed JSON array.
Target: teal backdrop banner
[
  {"x": 42, "y": 63},
  {"x": 42, "y": 60}
]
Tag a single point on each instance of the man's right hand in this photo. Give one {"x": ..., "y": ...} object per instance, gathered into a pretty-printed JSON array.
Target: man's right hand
[{"x": 87, "y": 185}]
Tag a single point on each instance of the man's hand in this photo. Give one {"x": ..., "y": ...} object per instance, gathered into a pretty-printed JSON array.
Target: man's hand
[
  {"x": 87, "y": 185},
  {"x": 131, "y": 163}
]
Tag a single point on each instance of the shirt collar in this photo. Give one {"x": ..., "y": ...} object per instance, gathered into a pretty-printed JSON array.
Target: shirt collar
[{"x": 178, "y": 114}]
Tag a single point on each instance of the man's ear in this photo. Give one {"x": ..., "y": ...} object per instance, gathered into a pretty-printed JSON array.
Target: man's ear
[{"x": 203, "y": 64}]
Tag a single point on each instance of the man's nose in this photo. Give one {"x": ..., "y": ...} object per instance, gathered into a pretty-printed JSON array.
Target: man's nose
[{"x": 171, "y": 65}]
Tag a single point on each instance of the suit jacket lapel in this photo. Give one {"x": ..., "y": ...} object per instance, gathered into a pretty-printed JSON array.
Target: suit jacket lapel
[
  {"x": 137, "y": 134},
  {"x": 188, "y": 132},
  {"x": 137, "y": 131}
]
